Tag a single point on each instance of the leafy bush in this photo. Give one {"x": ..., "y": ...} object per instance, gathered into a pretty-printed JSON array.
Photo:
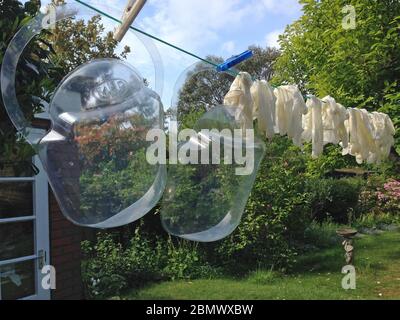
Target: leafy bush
[
  {"x": 184, "y": 261},
  {"x": 275, "y": 215},
  {"x": 379, "y": 202},
  {"x": 109, "y": 268},
  {"x": 334, "y": 199},
  {"x": 103, "y": 274},
  {"x": 389, "y": 197}
]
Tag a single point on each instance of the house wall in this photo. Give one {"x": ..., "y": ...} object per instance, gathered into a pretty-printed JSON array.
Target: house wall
[{"x": 65, "y": 254}]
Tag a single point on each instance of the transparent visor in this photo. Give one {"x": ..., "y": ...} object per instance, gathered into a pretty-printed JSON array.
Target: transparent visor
[
  {"x": 95, "y": 152},
  {"x": 213, "y": 172}
]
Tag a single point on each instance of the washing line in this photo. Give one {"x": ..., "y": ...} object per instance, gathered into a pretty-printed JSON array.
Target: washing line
[{"x": 233, "y": 72}]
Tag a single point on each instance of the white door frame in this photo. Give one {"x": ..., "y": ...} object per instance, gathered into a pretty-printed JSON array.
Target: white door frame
[{"x": 40, "y": 218}]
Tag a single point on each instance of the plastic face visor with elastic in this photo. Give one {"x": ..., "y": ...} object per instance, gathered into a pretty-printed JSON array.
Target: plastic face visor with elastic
[
  {"x": 95, "y": 153},
  {"x": 205, "y": 201}
]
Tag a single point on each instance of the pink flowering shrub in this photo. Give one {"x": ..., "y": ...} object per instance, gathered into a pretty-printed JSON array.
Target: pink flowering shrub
[
  {"x": 379, "y": 200},
  {"x": 389, "y": 197}
]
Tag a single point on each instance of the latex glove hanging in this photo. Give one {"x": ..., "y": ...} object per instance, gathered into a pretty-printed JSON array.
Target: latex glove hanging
[
  {"x": 264, "y": 107},
  {"x": 371, "y": 151},
  {"x": 296, "y": 112},
  {"x": 383, "y": 134},
  {"x": 313, "y": 126},
  {"x": 360, "y": 133},
  {"x": 239, "y": 96},
  {"x": 351, "y": 124},
  {"x": 342, "y": 131},
  {"x": 334, "y": 116},
  {"x": 284, "y": 104},
  {"x": 331, "y": 120},
  {"x": 290, "y": 108}
]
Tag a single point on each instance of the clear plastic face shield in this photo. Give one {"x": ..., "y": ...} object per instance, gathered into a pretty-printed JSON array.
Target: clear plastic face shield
[
  {"x": 211, "y": 177},
  {"x": 94, "y": 154}
]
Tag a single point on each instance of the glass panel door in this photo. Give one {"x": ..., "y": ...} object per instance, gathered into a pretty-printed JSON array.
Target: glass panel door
[{"x": 24, "y": 233}]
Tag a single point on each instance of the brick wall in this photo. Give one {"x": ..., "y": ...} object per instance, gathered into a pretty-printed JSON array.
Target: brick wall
[{"x": 65, "y": 254}]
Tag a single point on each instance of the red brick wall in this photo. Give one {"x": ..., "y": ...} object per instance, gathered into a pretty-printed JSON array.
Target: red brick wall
[{"x": 65, "y": 254}]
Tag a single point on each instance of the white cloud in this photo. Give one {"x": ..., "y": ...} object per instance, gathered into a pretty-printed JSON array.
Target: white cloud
[
  {"x": 196, "y": 23},
  {"x": 228, "y": 47},
  {"x": 272, "y": 38},
  {"x": 287, "y": 7}
]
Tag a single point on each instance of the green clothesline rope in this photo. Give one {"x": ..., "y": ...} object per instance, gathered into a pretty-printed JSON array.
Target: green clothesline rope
[{"x": 233, "y": 72}]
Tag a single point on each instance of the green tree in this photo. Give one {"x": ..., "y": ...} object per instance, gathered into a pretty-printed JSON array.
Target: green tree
[
  {"x": 34, "y": 76},
  {"x": 76, "y": 42},
  {"x": 360, "y": 67}
]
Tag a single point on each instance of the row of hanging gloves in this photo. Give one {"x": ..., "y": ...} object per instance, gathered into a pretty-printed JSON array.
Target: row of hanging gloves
[{"x": 366, "y": 136}]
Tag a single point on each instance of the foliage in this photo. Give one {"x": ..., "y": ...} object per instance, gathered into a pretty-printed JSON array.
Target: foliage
[
  {"x": 103, "y": 275},
  {"x": 110, "y": 267},
  {"x": 34, "y": 79},
  {"x": 186, "y": 261},
  {"x": 113, "y": 186},
  {"x": 334, "y": 199},
  {"x": 389, "y": 196},
  {"x": 359, "y": 67},
  {"x": 276, "y": 212},
  {"x": 328, "y": 161},
  {"x": 193, "y": 188},
  {"x": 105, "y": 140},
  {"x": 76, "y": 42},
  {"x": 379, "y": 198},
  {"x": 262, "y": 277}
]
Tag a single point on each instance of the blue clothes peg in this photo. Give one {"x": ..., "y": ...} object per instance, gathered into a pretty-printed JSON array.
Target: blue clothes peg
[{"x": 233, "y": 61}]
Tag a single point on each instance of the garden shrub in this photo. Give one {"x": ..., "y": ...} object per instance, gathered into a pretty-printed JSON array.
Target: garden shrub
[
  {"x": 109, "y": 267},
  {"x": 276, "y": 213},
  {"x": 379, "y": 202},
  {"x": 185, "y": 261},
  {"x": 334, "y": 199},
  {"x": 389, "y": 197},
  {"x": 328, "y": 161},
  {"x": 103, "y": 274}
]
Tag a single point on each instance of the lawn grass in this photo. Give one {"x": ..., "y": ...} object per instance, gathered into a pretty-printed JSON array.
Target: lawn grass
[{"x": 316, "y": 276}]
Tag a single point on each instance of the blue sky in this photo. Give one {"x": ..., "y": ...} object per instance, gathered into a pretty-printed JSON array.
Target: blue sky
[{"x": 218, "y": 27}]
